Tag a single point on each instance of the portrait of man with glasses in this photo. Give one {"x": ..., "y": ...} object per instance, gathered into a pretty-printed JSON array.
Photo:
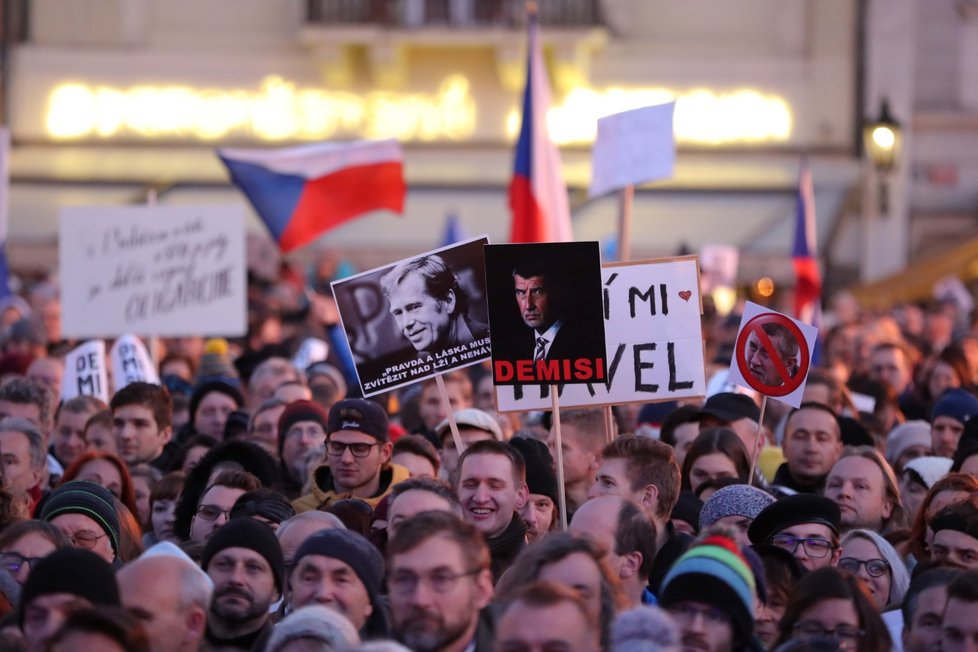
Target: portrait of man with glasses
[
  {"x": 358, "y": 453},
  {"x": 807, "y": 526}
]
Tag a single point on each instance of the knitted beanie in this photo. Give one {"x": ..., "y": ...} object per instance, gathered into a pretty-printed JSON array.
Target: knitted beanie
[
  {"x": 351, "y": 549},
  {"x": 88, "y": 499},
  {"x": 911, "y": 433},
  {"x": 296, "y": 411},
  {"x": 252, "y": 535},
  {"x": 74, "y": 571},
  {"x": 735, "y": 500},
  {"x": 959, "y": 404},
  {"x": 716, "y": 573},
  {"x": 215, "y": 364},
  {"x": 266, "y": 503},
  {"x": 928, "y": 469},
  {"x": 540, "y": 476},
  {"x": 204, "y": 389}
]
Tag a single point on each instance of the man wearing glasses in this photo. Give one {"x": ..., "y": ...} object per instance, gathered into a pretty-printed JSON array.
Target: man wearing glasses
[
  {"x": 214, "y": 509},
  {"x": 439, "y": 581},
  {"x": 806, "y": 526},
  {"x": 85, "y": 514},
  {"x": 358, "y": 453}
]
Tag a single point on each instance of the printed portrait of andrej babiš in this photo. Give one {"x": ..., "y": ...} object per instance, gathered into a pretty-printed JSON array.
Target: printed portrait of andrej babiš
[{"x": 418, "y": 317}]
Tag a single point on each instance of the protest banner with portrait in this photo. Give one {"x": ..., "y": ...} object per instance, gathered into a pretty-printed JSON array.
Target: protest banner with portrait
[
  {"x": 417, "y": 318},
  {"x": 545, "y": 309},
  {"x": 654, "y": 340},
  {"x": 152, "y": 270}
]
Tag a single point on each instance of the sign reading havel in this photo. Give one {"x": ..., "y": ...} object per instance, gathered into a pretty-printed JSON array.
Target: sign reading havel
[
  {"x": 152, "y": 270},
  {"x": 654, "y": 340}
]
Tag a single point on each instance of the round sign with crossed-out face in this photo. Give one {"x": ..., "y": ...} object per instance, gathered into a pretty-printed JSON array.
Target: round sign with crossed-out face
[{"x": 772, "y": 354}]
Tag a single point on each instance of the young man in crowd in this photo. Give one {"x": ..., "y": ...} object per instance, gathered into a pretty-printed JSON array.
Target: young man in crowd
[
  {"x": 804, "y": 525},
  {"x": 812, "y": 444},
  {"x": 862, "y": 484},
  {"x": 582, "y": 433},
  {"x": 960, "y": 620},
  {"x": 141, "y": 416},
  {"x": 923, "y": 609}
]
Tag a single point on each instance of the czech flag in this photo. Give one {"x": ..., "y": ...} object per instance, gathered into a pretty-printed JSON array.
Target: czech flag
[
  {"x": 300, "y": 192},
  {"x": 808, "y": 283},
  {"x": 537, "y": 194}
]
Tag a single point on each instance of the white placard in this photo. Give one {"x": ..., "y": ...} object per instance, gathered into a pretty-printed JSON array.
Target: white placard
[
  {"x": 773, "y": 354},
  {"x": 85, "y": 373},
  {"x": 718, "y": 266},
  {"x": 311, "y": 351},
  {"x": 653, "y": 336},
  {"x": 633, "y": 147},
  {"x": 152, "y": 270},
  {"x": 131, "y": 363}
]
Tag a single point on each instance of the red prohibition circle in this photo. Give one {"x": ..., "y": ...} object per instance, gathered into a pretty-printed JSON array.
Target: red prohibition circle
[{"x": 740, "y": 354}]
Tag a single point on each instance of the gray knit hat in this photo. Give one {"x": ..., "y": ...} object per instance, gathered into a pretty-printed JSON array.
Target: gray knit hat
[{"x": 734, "y": 500}]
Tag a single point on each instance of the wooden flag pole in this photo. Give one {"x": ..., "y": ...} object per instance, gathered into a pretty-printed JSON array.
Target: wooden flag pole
[
  {"x": 626, "y": 197},
  {"x": 558, "y": 448},
  {"x": 451, "y": 413},
  {"x": 758, "y": 443}
]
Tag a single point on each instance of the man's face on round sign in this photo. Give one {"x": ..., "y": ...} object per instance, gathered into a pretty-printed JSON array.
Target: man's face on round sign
[{"x": 764, "y": 366}]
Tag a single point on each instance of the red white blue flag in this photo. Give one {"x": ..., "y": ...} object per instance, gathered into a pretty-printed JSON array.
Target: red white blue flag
[
  {"x": 808, "y": 280},
  {"x": 537, "y": 194},
  {"x": 300, "y": 192}
]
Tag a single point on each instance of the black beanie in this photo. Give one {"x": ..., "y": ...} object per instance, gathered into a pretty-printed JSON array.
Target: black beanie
[
  {"x": 213, "y": 386},
  {"x": 266, "y": 503},
  {"x": 252, "y": 535},
  {"x": 89, "y": 499},
  {"x": 351, "y": 549},
  {"x": 296, "y": 411},
  {"x": 540, "y": 476},
  {"x": 74, "y": 571}
]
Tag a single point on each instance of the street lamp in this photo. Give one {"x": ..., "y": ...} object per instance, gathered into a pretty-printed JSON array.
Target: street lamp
[{"x": 882, "y": 139}]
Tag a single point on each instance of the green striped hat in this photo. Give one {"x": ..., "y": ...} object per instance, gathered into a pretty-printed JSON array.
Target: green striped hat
[{"x": 88, "y": 499}]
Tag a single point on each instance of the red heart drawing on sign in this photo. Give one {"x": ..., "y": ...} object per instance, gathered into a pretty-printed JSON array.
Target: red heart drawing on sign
[{"x": 685, "y": 295}]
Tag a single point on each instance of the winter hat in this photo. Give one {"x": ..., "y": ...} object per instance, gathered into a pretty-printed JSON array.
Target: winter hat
[
  {"x": 351, "y": 549},
  {"x": 266, "y": 503},
  {"x": 959, "y": 404},
  {"x": 928, "y": 470},
  {"x": 794, "y": 510},
  {"x": 317, "y": 623},
  {"x": 296, "y": 411},
  {"x": 735, "y": 500},
  {"x": 215, "y": 364},
  {"x": 74, "y": 571},
  {"x": 715, "y": 572},
  {"x": 911, "y": 433},
  {"x": 251, "y": 534},
  {"x": 540, "y": 476},
  {"x": 470, "y": 418},
  {"x": 360, "y": 415},
  {"x": 89, "y": 499},
  {"x": 687, "y": 509},
  {"x": 729, "y": 407},
  {"x": 206, "y": 388}
]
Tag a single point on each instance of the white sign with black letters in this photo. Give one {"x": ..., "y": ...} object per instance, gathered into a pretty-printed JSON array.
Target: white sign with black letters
[
  {"x": 85, "y": 372},
  {"x": 131, "y": 363},
  {"x": 152, "y": 270}
]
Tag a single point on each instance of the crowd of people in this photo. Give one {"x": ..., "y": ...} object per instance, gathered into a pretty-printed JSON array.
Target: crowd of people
[{"x": 249, "y": 503}]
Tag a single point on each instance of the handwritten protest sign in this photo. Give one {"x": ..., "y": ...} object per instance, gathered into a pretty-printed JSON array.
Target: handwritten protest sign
[
  {"x": 419, "y": 317},
  {"x": 85, "y": 373},
  {"x": 131, "y": 363},
  {"x": 152, "y": 270},
  {"x": 653, "y": 337},
  {"x": 633, "y": 147}
]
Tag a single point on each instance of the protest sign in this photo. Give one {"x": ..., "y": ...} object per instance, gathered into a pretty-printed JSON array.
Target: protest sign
[
  {"x": 152, "y": 270},
  {"x": 772, "y": 354},
  {"x": 85, "y": 372},
  {"x": 131, "y": 363},
  {"x": 633, "y": 147},
  {"x": 311, "y": 351},
  {"x": 419, "y": 317},
  {"x": 654, "y": 340},
  {"x": 545, "y": 312}
]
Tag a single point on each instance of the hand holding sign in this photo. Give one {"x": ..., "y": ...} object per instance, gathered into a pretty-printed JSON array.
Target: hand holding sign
[{"x": 773, "y": 354}]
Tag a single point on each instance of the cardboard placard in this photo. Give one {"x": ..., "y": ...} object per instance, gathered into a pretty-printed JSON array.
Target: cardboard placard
[
  {"x": 152, "y": 270},
  {"x": 402, "y": 329},
  {"x": 131, "y": 363},
  {"x": 85, "y": 372},
  {"x": 654, "y": 340},
  {"x": 545, "y": 312},
  {"x": 633, "y": 147}
]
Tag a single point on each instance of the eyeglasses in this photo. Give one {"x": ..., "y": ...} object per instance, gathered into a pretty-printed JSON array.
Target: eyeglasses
[
  {"x": 441, "y": 581},
  {"x": 12, "y": 562},
  {"x": 212, "y": 512},
  {"x": 874, "y": 567},
  {"x": 84, "y": 539},
  {"x": 815, "y": 548},
  {"x": 846, "y": 635},
  {"x": 337, "y": 448},
  {"x": 688, "y": 612}
]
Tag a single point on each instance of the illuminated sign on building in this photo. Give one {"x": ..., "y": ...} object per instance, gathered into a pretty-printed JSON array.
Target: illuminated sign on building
[{"x": 278, "y": 111}]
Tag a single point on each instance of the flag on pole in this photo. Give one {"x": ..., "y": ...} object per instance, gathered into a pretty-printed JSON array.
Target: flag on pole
[
  {"x": 4, "y": 208},
  {"x": 300, "y": 192},
  {"x": 808, "y": 283},
  {"x": 453, "y": 230},
  {"x": 537, "y": 194}
]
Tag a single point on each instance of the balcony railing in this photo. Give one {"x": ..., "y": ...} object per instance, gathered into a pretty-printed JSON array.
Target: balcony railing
[{"x": 462, "y": 14}]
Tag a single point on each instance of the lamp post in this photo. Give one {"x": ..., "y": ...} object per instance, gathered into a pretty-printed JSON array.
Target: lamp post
[{"x": 882, "y": 140}]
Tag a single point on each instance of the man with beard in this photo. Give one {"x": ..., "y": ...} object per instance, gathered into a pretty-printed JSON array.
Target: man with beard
[
  {"x": 358, "y": 453},
  {"x": 711, "y": 593},
  {"x": 439, "y": 581},
  {"x": 245, "y": 562}
]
